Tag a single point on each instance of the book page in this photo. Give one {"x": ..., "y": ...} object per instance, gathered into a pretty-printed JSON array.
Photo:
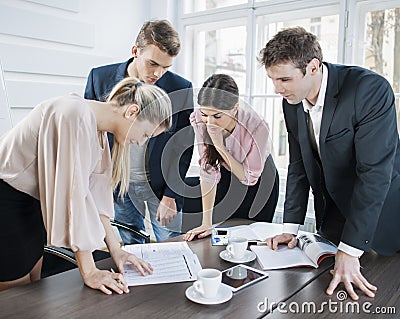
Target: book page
[
  {"x": 284, "y": 257},
  {"x": 171, "y": 262},
  {"x": 315, "y": 246}
]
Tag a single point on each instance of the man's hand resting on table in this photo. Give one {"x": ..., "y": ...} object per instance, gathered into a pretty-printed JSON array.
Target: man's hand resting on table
[
  {"x": 166, "y": 211},
  {"x": 289, "y": 239},
  {"x": 346, "y": 270}
]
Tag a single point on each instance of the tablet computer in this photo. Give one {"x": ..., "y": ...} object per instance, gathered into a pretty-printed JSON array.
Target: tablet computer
[{"x": 241, "y": 276}]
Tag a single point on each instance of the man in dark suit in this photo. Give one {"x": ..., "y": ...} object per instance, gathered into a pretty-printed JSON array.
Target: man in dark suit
[
  {"x": 344, "y": 144},
  {"x": 158, "y": 168}
]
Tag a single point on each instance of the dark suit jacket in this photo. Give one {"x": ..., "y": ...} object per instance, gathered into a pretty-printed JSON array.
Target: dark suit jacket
[
  {"x": 356, "y": 183},
  {"x": 166, "y": 172}
]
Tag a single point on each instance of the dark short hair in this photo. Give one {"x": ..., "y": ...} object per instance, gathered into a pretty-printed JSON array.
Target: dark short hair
[
  {"x": 294, "y": 45},
  {"x": 161, "y": 34}
]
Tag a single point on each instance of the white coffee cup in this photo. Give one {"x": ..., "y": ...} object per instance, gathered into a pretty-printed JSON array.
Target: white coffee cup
[
  {"x": 237, "y": 246},
  {"x": 208, "y": 282}
]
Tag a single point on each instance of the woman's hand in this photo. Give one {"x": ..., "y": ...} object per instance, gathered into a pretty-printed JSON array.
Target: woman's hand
[
  {"x": 103, "y": 280},
  {"x": 106, "y": 281},
  {"x": 201, "y": 232},
  {"x": 122, "y": 257},
  {"x": 216, "y": 134}
]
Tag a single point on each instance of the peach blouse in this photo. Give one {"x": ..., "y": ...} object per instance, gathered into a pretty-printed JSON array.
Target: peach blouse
[{"x": 54, "y": 155}]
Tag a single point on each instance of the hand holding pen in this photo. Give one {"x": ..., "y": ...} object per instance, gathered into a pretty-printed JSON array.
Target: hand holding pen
[{"x": 119, "y": 278}]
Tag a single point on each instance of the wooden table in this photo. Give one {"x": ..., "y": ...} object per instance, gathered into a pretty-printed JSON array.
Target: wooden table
[
  {"x": 381, "y": 271},
  {"x": 65, "y": 296}
]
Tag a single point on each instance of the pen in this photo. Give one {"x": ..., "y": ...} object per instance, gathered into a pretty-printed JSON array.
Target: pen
[
  {"x": 262, "y": 243},
  {"x": 257, "y": 243},
  {"x": 119, "y": 281},
  {"x": 113, "y": 271},
  {"x": 184, "y": 258}
]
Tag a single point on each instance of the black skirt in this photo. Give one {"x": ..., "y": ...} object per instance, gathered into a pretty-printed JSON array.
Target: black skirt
[
  {"x": 22, "y": 233},
  {"x": 234, "y": 199},
  {"x": 257, "y": 202}
]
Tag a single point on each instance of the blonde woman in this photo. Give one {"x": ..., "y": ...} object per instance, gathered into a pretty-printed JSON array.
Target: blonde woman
[{"x": 57, "y": 176}]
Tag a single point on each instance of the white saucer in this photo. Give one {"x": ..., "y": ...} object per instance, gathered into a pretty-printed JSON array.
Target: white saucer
[
  {"x": 224, "y": 294},
  {"x": 248, "y": 256}
]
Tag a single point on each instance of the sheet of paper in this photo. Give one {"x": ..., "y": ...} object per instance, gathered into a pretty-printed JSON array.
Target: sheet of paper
[
  {"x": 265, "y": 230},
  {"x": 258, "y": 231},
  {"x": 171, "y": 262}
]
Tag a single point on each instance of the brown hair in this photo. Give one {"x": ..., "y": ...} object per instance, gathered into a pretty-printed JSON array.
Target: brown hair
[
  {"x": 219, "y": 91},
  {"x": 294, "y": 45},
  {"x": 161, "y": 34}
]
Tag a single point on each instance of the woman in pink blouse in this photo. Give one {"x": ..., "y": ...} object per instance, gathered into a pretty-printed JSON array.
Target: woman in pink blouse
[
  {"x": 237, "y": 175},
  {"x": 57, "y": 177}
]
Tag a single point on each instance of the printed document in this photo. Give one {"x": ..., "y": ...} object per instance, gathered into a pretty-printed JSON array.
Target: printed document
[{"x": 171, "y": 262}]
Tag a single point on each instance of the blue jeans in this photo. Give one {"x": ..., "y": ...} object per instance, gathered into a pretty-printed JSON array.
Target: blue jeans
[{"x": 131, "y": 210}]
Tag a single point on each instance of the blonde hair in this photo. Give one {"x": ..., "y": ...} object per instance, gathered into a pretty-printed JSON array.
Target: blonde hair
[{"x": 154, "y": 106}]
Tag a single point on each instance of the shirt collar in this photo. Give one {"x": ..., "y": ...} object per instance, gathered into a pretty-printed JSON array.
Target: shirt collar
[{"x": 321, "y": 95}]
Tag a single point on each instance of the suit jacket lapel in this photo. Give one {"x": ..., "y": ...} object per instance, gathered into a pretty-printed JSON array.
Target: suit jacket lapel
[{"x": 330, "y": 104}]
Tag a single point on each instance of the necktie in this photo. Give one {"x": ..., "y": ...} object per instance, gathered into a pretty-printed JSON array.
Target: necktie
[{"x": 311, "y": 132}]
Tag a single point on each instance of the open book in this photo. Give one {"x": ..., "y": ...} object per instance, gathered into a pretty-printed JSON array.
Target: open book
[{"x": 311, "y": 249}]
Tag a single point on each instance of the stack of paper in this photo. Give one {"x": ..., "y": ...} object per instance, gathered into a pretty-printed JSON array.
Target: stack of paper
[{"x": 171, "y": 262}]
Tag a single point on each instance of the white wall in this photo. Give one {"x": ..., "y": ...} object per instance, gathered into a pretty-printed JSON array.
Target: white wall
[{"x": 47, "y": 47}]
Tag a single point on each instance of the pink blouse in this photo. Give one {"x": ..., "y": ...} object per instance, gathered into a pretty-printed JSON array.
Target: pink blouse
[
  {"x": 55, "y": 156},
  {"x": 249, "y": 144}
]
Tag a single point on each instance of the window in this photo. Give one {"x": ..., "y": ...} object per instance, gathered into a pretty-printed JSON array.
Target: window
[
  {"x": 315, "y": 26},
  {"x": 380, "y": 50},
  {"x": 220, "y": 50},
  {"x": 201, "y": 5},
  {"x": 224, "y": 52},
  {"x": 282, "y": 138}
]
